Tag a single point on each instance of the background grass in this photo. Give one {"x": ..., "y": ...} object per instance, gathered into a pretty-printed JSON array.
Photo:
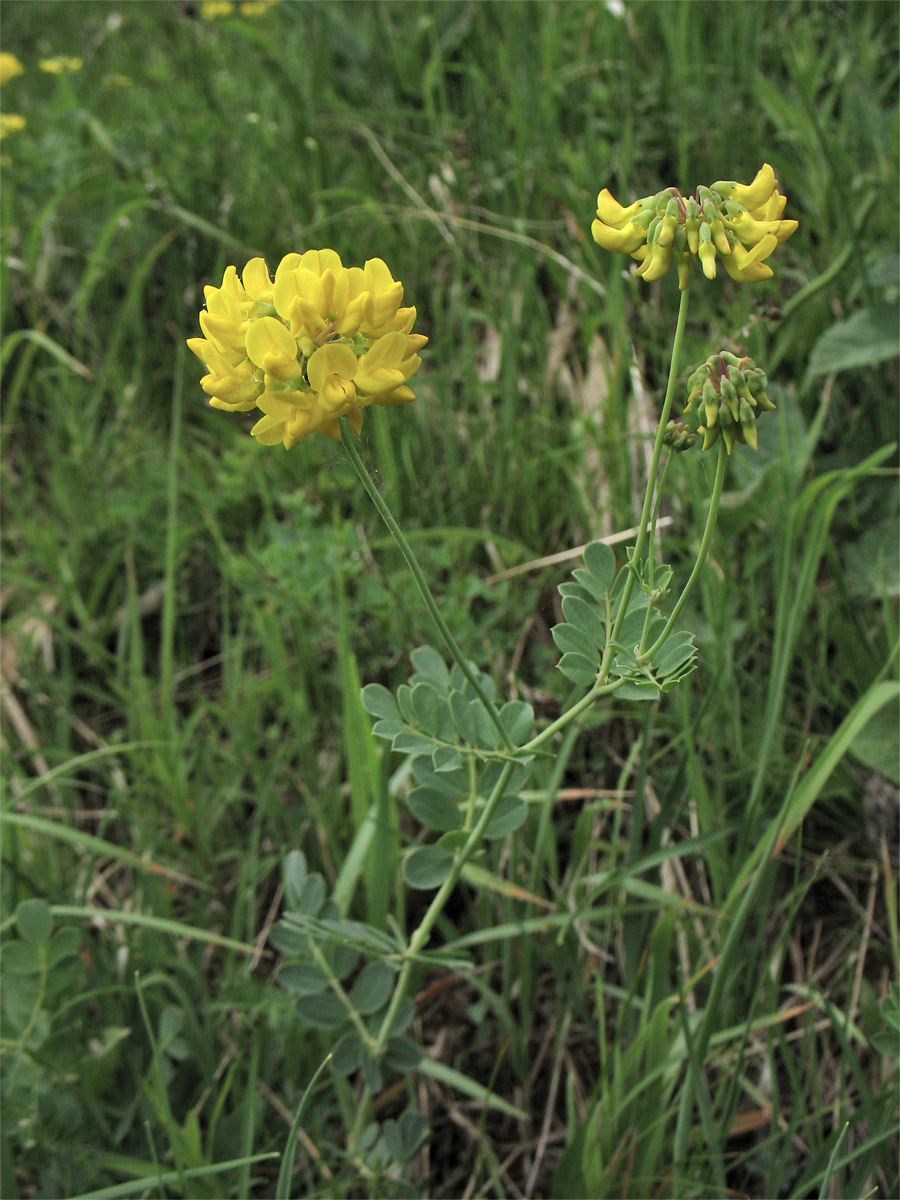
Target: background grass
[{"x": 185, "y": 613}]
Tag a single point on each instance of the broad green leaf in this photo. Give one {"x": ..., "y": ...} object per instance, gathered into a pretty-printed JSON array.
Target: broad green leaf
[
  {"x": 486, "y": 732},
  {"x": 34, "y": 921},
  {"x": 402, "y": 1055},
  {"x": 427, "y": 867},
  {"x": 578, "y": 668},
  {"x": 674, "y": 652},
  {"x": 304, "y": 978},
  {"x": 410, "y": 742},
  {"x": 312, "y": 895},
  {"x": 637, "y": 690},
  {"x": 294, "y": 878},
  {"x": 868, "y": 336},
  {"x": 372, "y": 987},
  {"x": 452, "y": 783},
  {"x": 446, "y": 758},
  {"x": 322, "y": 1012},
  {"x": 289, "y": 940},
  {"x": 347, "y": 1055},
  {"x": 509, "y": 814},
  {"x": 597, "y": 592},
  {"x": 434, "y": 809},
  {"x": 66, "y": 944},
  {"x": 427, "y": 706},
  {"x": 586, "y": 617},
  {"x": 600, "y": 560},
  {"x": 570, "y": 640},
  {"x": 404, "y": 703},
  {"x": 379, "y": 702},
  {"x": 517, "y": 718},
  {"x": 463, "y": 718},
  {"x": 431, "y": 666},
  {"x": 21, "y": 958}
]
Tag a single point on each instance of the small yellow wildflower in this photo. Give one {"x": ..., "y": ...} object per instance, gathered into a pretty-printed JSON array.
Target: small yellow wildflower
[
  {"x": 256, "y": 8},
  {"x": 60, "y": 64},
  {"x": 739, "y": 222},
  {"x": 10, "y": 66},
  {"x": 10, "y": 123},
  {"x": 211, "y": 10},
  {"x": 319, "y": 342}
]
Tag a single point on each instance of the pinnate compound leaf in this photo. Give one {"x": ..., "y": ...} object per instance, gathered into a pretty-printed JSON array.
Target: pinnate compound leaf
[
  {"x": 347, "y": 1055},
  {"x": 570, "y": 640},
  {"x": 304, "y": 978},
  {"x": 434, "y": 810},
  {"x": 431, "y": 666},
  {"x": 402, "y": 1055},
  {"x": 428, "y": 708},
  {"x": 294, "y": 878},
  {"x": 600, "y": 560},
  {"x": 578, "y": 668},
  {"x": 509, "y": 814},
  {"x": 517, "y": 718},
  {"x": 378, "y": 702},
  {"x": 322, "y": 1012},
  {"x": 427, "y": 867},
  {"x": 674, "y": 653},
  {"x": 372, "y": 987},
  {"x": 586, "y": 617},
  {"x": 34, "y": 921}
]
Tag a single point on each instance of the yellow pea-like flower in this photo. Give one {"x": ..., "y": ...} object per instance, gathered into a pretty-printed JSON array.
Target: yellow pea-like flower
[{"x": 317, "y": 343}]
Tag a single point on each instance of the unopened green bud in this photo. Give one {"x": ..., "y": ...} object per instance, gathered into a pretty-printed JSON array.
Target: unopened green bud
[
  {"x": 679, "y": 436},
  {"x": 730, "y": 396}
]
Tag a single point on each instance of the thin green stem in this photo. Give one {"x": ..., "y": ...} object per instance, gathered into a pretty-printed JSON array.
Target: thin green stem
[
  {"x": 436, "y": 907},
  {"x": 644, "y": 525},
  {"x": 711, "y": 516},
  {"x": 600, "y": 688},
  {"x": 348, "y": 440}
]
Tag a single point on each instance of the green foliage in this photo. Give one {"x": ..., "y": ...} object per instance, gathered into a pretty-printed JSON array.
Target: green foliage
[{"x": 187, "y": 620}]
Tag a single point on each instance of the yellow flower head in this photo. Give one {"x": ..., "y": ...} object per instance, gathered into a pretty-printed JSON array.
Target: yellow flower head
[
  {"x": 319, "y": 342},
  {"x": 10, "y": 66},
  {"x": 10, "y": 123},
  {"x": 741, "y": 223},
  {"x": 212, "y": 10},
  {"x": 60, "y": 64}
]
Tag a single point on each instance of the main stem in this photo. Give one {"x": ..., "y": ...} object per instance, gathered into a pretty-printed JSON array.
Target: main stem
[
  {"x": 348, "y": 442},
  {"x": 644, "y": 526},
  {"x": 647, "y": 655}
]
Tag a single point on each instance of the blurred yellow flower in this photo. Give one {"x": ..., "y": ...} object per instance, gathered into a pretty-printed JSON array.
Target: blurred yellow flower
[
  {"x": 60, "y": 64},
  {"x": 740, "y": 222},
  {"x": 211, "y": 10},
  {"x": 10, "y": 123},
  {"x": 319, "y": 342},
  {"x": 10, "y": 66},
  {"x": 256, "y": 8}
]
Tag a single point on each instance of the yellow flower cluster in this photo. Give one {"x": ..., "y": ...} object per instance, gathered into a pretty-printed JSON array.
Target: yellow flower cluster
[
  {"x": 741, "y": 222},
  {"x": 10, "y": 66},
  {"x": 319, "y": 343},
  {"x": 61, "y": 64},
  {"x": 213, "y": 10}
]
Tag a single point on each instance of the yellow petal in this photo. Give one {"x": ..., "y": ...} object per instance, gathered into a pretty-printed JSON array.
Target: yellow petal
[{"x": 333, "y": 359}]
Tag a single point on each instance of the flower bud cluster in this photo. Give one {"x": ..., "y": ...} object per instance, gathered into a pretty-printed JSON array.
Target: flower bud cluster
[
  {"x": 741, "y": 223},
  {"x": 726, "y": 394},
  {"x": 319, "y": 343}
]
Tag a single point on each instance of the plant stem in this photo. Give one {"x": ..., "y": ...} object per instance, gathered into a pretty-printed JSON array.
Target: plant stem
[
  {"x": 644, "y": 524},
  {"x": 714, "y": 499},
  {"x": 347, "y": 440},
  {"x": 436, "y": 907}
]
